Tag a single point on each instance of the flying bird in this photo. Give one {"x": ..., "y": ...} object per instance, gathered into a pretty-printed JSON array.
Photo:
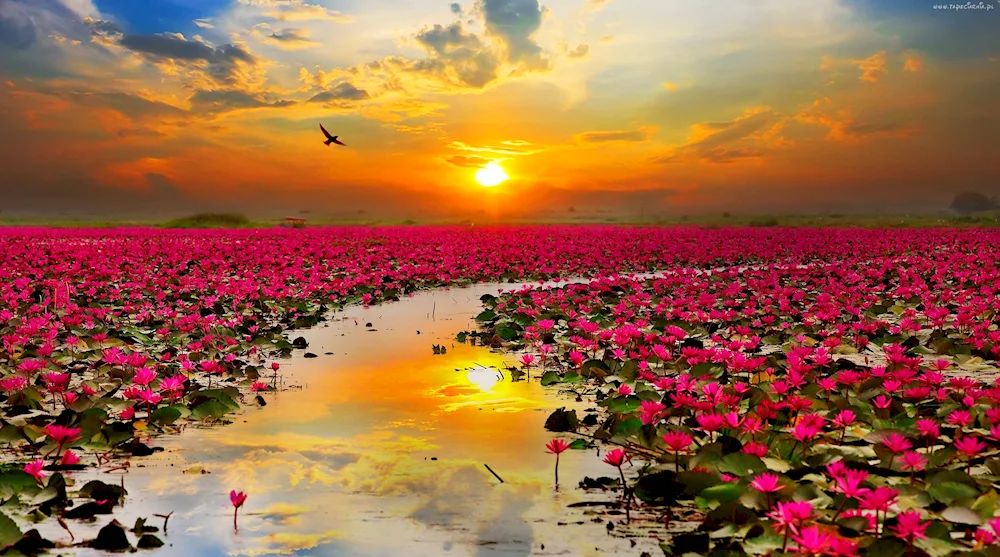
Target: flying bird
[{"x": 330, "y": 138}]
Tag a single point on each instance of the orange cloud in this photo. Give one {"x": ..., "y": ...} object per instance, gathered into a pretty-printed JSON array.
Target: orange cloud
[
  {"x": 913, "y": 62},
  {"x": 749, "y": 136},
  {"x": 873, "y": 67},
  {"x": 842, "y": 126},
  {"x": 644, "y": 133}
]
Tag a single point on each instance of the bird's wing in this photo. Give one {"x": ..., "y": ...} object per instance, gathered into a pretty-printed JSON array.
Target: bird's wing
[
  {"x": 326, "y": 133},
  {"x": 337, "y": 141}
]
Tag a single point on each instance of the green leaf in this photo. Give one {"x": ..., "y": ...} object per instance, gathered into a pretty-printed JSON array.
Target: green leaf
[
  {"x": 887, "y": 548},
  {"x": 550, "y": 378},
  {"x": 628, "y": 427},
  {"x": 578, "y": 444},
  {"x": 948, "y": 492},
  {"x": 560, "y": 420},
  {"x": 209, "y": 409},
  {"x": 936, "y": 547},
  {"x": 623, "y": 404},
  {"x": 165, "y": 416},
  {"x": 723, "y": 492},
  {"x": 766, "y": 543},
  {"x": 488, "y": 315},
  {"x": 9, "y": 532},
  {"x": 962, "y": 515},
  {"x": 741, "y": 464},
  {"x": 986, "y": 504},
  {"x": 507, "y": 332}
]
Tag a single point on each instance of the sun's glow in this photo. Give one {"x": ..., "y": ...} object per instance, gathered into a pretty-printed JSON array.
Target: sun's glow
[
  {"x": 491, "y": 175},
  {"x": 483, "y": 377}
]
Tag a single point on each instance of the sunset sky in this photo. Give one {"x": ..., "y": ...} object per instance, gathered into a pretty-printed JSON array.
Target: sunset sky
[{"x": 661, "y": 106}]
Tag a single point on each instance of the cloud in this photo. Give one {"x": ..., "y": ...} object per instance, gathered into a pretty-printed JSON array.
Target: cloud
[
  {"x": 16, "y": 27},
  {"x": 842, "y": 126},
  {"x": 297, "y": 10},
  {"x": 464, "y": 161},
  {"x": 517, "y": 148},
  {"x": 456, "y": 8},
  {"x": 595, "y": 5},
  {"x": 102, "y": 26},
  {"x": 344, "y": 91},
  {"x": 291, "y": 39},
  {"x": 873, "y": 67},
  {"x": 223, "y": 64},
  {"x": 226, "y": 100},
  {"x": 606, "y": 39},
  {"x": 627, "y": 136},
  {"x": 670, "y": 86},
  {"x": 204, "y": 23},
  {"x": 913, "y": 62},
  {"x": 516, "y": 22},
  {"x": 581, "y": 51},
  {"x": 457, "y": 55},
  {"x": 721, "y": 142}
]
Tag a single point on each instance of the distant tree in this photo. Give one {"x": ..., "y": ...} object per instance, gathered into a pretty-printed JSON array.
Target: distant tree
[
  {"x": 571, "y": 210},
  {"x": 969, "y": 202},
  {"x": 726, "y": 215}
]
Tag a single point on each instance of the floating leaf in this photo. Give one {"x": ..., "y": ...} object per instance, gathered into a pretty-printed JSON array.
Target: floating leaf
[
  {"x": 949, "y": 492},
  {"x": 724, "y": 492},
  {"x": 741, "y": 464},
  {"x": 9, "y": 532},
  {"x": 962, "y": 515}
]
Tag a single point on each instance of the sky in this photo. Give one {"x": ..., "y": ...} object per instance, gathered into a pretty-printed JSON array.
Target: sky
[{"x": 662, "y": 107}]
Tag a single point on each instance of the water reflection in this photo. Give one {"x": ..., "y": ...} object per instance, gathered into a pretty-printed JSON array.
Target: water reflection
[{"x": 381, "y": 452}]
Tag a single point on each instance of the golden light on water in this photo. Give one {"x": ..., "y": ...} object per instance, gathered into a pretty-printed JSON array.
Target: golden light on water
[{"x": 491, "y": 175}]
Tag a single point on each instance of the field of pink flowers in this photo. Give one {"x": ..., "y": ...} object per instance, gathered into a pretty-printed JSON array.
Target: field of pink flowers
[
  {"x": 803, "y": 390},
  {"x": 830, "y": 408}
]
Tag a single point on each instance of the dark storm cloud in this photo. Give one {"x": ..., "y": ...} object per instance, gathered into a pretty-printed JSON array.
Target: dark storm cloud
[
  {"x": 221, "y": 61},
  {"x": 16, "y": 28},
  {"x": 103, "y": 26},
  {"x": 341, "y": 92},
  {"x": 178, "y": 48},
  {"x": 457, "y": 52},
  {"x": 456, "y": 8},
  {"x": 516, "y": 21}
]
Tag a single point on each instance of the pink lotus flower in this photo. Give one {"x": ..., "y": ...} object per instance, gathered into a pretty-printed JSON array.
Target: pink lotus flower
[
  {"x": 909, "y": 527},
  {"x": 237, "y": 499},
  {"x": 766, "y": 483},
  {"x": 144, "y": 376},
  {"x": 69, "y": 458},
  {"x": 556, "y": 447},
  {"x": 616, "y": 457},
  {"x": 34, "y": 468}
]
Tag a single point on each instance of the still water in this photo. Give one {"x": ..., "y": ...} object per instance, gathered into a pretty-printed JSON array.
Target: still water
[{"x": 379, "y": 451}]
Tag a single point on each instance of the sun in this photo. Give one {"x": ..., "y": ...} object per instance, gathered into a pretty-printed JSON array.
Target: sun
[{"x": 491, "y": 175}]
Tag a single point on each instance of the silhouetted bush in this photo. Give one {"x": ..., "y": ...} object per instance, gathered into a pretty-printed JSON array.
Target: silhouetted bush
[
  {"x": 210, "y": 220},
  {"x": 973, "y": 202},
  {"x": 767, "y": 221}
]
